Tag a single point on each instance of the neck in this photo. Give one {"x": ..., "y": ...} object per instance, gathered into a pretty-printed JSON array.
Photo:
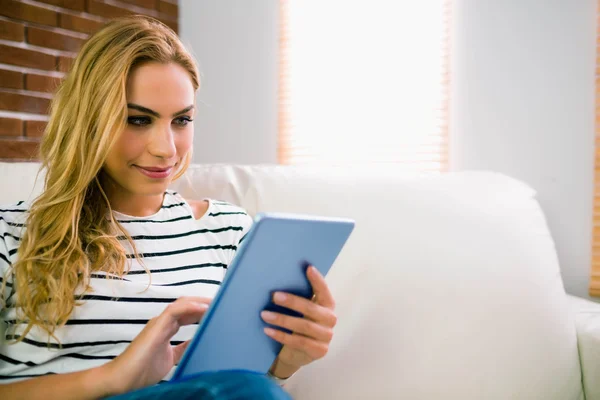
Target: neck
[{"x": 136, "y": 205}]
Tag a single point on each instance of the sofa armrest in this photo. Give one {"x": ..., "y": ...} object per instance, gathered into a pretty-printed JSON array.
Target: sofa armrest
[{"x": 587, "y": 323}]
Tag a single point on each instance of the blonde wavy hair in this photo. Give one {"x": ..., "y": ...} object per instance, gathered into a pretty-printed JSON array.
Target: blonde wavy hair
[{"x": 68, "y": 234}]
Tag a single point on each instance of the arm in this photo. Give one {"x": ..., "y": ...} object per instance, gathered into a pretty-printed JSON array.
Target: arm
[
  {"x": 145, "y": 362},
  {"x": 90, "y": 384}
]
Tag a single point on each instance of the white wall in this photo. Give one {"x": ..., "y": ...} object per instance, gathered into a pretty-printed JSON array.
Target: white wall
[
  {"x": 523, "y": 104},
  {"x": 522, "y": 99},
  {"x": 236, "y": 45}
]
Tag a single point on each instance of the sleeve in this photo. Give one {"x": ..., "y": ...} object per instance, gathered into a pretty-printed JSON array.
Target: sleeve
[
  {"x": 5, "y": 263},
  {"x": 12, "y": 222},
  {"x": 245, "y": 222},
  {"x": 4, "y": 266}
]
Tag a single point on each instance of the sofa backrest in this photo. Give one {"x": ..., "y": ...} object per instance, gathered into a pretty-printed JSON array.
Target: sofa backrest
[{"x": 449, "y": 286}]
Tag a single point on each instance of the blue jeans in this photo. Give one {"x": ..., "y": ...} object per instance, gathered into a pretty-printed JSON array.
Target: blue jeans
[{"x": 224, "y": 385}]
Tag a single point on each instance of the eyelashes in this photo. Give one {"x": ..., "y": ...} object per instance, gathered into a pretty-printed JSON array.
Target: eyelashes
[
  {"x": 182, "y": 121},
  {"x": 139, "y": 121},
  {"x": 142, "y": 121}
]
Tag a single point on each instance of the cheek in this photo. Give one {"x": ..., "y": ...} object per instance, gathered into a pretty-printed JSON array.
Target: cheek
[
  {"x": 130, "y": 145},
  {"x": 184, "y": 141}
]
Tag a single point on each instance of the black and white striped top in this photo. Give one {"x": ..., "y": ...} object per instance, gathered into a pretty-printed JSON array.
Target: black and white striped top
[{"x": 186, "y": 257}]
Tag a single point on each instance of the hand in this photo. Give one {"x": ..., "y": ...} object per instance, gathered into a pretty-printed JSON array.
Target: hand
[
  {"x": 151, "y": 356},
  {"x": 311, "y": 335}
]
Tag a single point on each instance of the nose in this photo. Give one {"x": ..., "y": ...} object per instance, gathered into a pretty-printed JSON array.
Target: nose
[{"x": 162, "y": 142}]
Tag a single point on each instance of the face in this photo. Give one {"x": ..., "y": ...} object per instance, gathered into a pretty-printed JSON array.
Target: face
[{"x": 159, "y": 132}]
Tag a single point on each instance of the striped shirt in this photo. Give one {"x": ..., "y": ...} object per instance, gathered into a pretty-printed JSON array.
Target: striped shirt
[{"x": 186, "y": 257}]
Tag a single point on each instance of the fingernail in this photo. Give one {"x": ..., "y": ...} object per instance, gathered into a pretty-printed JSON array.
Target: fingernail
[
  {"x": 269, "y": 331},
  {"x": 279, "y": 297},
  {"x": 314, "y": 270},
  {"x": 268, "y": 315}
]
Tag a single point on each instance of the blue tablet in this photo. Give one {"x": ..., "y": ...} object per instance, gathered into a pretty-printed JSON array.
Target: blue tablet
[{"x": 273, "y": 257}]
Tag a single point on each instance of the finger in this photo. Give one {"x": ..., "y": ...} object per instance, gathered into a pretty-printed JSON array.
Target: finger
[
  {"x": 320, "y": 288},
  {"x": 302, "y": 326},
  {"x": 185, "y": 312},
  {"x": 194, "y": 299},
  {"x": 310, "y": 310},
  {"x": 313, "y": 348},
  {"x": 179, "y": 350}
]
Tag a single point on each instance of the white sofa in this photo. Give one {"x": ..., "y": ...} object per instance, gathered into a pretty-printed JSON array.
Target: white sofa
[{"x": 448, "y": 288}]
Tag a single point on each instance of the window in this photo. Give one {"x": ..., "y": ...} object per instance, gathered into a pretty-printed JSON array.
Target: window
[
  {"x": 595, "y": 270},
  {"x": 364, "y": 83}
]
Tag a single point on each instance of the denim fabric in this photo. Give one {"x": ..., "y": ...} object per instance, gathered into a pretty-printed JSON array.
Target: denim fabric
[{"x": 223, "y": 385}]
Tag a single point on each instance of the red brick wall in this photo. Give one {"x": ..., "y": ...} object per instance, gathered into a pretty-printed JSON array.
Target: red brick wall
[{"x": 38, "y": 41}]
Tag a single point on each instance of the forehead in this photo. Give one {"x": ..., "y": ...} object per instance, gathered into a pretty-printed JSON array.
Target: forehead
[{"x": 160, "y": 87}]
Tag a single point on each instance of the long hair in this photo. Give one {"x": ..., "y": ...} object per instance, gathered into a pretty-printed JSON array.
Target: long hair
[{"x": 68, "y": 234}]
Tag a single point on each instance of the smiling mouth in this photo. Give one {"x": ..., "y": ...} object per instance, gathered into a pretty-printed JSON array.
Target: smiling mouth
[
  {"x": 155, "y": 169},
  {"x": 155, "y": 172}
]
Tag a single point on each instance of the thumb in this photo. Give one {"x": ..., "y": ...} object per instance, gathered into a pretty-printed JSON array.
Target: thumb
[{"x": 179, "y": 350}]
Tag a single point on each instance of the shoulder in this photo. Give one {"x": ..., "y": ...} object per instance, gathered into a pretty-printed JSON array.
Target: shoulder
[
  {"x": 220, "y": 207},
  {"x": 12, "y": 222},
  {"x": 221, "y": 213},
  {"x": 230, "y": 216},
  {"x": 217, "y": 208},
  {"x": 225, "y": 210},
  {"x": 13, "y": 217}
]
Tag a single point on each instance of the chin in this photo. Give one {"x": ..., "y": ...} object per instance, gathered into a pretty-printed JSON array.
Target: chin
[{"x": 149, "y": 188}]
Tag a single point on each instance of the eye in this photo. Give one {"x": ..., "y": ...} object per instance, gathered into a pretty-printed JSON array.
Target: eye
[
  {"x": 182, "y": 121},
  {"x": 139, "y": 121}
]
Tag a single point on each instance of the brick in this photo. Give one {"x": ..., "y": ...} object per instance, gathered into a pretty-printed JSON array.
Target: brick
[
  {"x": 23, "y": 102},
  {"x": 52, "y": 39},
  {"x": 41, "y": 83},
  {"x": 107, "y": 10},
  {"x": 77, "y": 5},
  {"x": 28, "y": 12},
  {"x": 11, "y": 79},
  {"x": 11, "y": 127},
  {"x": 35, "y": 128},
  {"x": 26, "y": 58},
  {"x": 168, "y": 8},
  {"x": 64, "y": 63},
  {"x": 151, "y": 4},
  {"x": 11, "y": 30},
  {"x": 79, "y": 23},
  {"x": 22, "y": 149}
]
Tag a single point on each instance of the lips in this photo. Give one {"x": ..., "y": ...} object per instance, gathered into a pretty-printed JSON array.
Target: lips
[
  {"x": 155, "y": 169},
  {"x": 155, "y": 172}
]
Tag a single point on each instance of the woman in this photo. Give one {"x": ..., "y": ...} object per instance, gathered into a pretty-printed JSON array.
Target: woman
[{"x": 104, "y": 273}]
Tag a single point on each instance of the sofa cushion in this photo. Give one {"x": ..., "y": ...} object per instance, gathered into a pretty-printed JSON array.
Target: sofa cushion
[
  {"x": 587, "y": 323},
  {"x": 448, "y": 288}
]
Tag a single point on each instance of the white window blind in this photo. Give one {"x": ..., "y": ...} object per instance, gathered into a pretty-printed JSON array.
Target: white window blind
[
  {"x": 594, "y": 289},
  {"x": 364, "y": 83}
]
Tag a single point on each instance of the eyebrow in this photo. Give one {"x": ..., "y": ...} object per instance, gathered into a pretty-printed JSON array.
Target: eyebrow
[{"x": 157, "y": 115}]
